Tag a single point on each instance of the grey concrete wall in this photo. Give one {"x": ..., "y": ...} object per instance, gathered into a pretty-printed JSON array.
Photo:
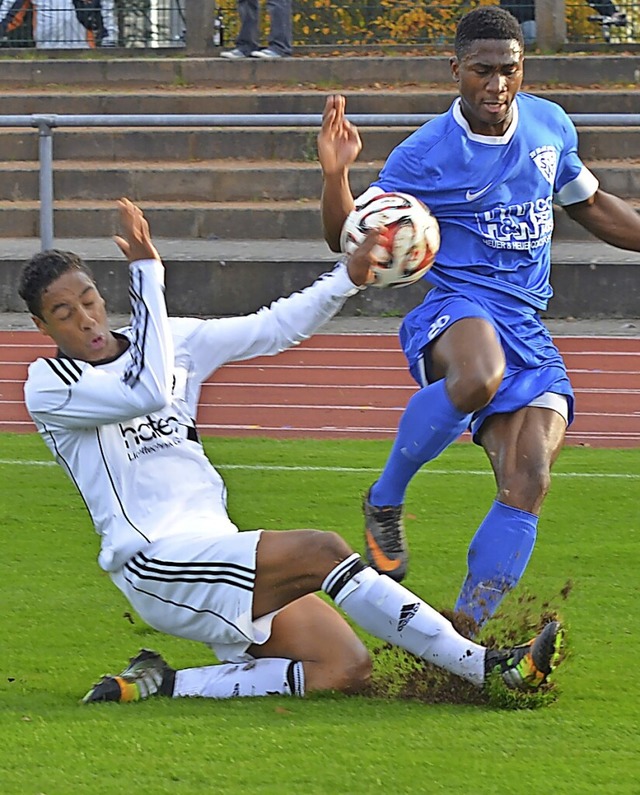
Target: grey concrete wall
[
  {"x": 576, "y": 70},
  {"x": 205, "y": 288}
]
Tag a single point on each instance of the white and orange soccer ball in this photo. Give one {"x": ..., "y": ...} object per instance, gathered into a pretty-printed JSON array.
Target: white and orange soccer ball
[{"x": 412, "y": 242}]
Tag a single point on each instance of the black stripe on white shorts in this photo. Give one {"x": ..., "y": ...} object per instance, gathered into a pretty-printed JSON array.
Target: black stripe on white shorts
[{"x": 211, "y": 572}]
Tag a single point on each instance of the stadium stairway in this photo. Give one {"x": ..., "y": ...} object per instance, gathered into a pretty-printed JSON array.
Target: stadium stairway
[{"x": 236, "y": 210}]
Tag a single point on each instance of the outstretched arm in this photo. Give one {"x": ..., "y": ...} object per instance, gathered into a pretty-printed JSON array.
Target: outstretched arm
[
  {"x": 610, "y": 218},
  {"x": 339, "y": 145},
  {"x": 286, "y": 321}
]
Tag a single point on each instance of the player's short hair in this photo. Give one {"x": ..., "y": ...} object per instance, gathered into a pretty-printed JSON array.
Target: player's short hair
[
  {"x": 43, "y": 269},
  {"x": 486, "y": 22}
]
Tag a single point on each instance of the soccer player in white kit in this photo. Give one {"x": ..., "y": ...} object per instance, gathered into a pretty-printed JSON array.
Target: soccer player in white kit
[{"x": 117, "y": 411}]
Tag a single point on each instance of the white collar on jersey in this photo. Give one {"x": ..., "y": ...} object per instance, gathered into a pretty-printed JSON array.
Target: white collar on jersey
[{"x": 487, "y": 139}]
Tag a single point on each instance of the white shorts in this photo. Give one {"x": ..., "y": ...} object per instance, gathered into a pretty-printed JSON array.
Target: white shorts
[{"x": 199, "y": 587}]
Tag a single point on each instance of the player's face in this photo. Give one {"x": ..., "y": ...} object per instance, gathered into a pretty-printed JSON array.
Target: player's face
[
  {"x": 490, "y": 75},
  {"x": 75, "y": 317}
]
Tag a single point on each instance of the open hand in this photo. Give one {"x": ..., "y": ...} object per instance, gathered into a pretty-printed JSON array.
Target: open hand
[
  {"x": 135, "y": 242},
  {"x": 339, "y": 142}
]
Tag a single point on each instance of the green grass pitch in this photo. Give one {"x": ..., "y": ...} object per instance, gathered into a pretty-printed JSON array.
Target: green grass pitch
[{"x": 63, "y": 624}]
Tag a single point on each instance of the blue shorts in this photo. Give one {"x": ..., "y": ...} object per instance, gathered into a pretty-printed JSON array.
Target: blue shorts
[{"x": 533, "y": 362}]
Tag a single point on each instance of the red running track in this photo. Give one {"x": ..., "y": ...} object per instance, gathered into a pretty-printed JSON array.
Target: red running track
[{"x": 355, "y": 386}]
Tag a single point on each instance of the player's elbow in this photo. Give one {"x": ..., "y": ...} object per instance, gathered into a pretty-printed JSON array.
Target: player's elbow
[
  {"x": 151, "y": 405},
  {"x": 332, "y": 239},
  {"x": 154, "y": 398},
  {"x": 159, "y": 403}
]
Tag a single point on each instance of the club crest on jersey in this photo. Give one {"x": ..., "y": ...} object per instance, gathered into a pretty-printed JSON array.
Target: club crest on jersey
[{"x": 546, "y": 159}]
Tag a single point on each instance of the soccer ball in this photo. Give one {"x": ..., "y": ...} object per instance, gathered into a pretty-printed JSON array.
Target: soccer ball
[{"x": 411, "y": 244}]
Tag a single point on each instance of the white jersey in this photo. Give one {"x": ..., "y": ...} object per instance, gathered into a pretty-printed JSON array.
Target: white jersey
[{"x": 124, "y": 430}]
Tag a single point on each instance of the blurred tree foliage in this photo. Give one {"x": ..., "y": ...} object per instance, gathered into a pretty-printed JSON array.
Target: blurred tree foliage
[
  {"x": 342, "y": 23},
  {"x": 380, "y": 22},
  {"x": 580, "y": 28}
]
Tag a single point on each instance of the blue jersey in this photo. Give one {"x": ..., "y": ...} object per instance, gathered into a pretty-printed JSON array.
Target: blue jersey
[{"x": 493, "y": 196}]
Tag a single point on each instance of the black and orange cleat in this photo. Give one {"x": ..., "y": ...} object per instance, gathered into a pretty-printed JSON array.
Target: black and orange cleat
[
  {"x": 385, "y": 541},
  {"x": 529, "y": 666},
  {"x": 147, "y": 675}
]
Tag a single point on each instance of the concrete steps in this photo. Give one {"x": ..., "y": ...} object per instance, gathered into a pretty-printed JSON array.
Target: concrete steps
[
  {"x": 114, "y": 71},
  {"x": 258, "y": 220},
  {"x": 220, "y": 277},
  {"x": 256, "y": 191},
  {"x": 416, "y": 99},
  {"x": 224, "y": 199},
  {"x": 225, "y": 181},
  {"x": 206, "y": 181},
  {"x": 282, "y": 143}
]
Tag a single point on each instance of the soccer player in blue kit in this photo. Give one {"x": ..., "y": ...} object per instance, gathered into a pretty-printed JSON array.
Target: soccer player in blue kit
[{"x": 489, "y": 169}]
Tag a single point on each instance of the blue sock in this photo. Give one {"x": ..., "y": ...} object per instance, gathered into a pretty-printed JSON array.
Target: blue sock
[
  {"x": 498, "y": 555},
  {"x": 429, "y": 424}
]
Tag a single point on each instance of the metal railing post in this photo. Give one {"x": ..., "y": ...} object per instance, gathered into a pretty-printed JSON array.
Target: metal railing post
[{"x": 45, "y": 126}]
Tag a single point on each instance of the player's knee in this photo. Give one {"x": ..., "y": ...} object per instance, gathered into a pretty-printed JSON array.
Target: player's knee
[
  {"x": 328, "y": 549},
  {"x": 358, "y": 673},
  {"x": 537, "y": 484},
  {"x": 351, "y": 673},
  {"x": 527, "y": 489},
  {"x": 472, "y": 390},
  {"x": 540, "y": 483}
]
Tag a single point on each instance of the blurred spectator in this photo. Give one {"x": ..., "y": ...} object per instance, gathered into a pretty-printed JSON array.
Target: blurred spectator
[
  {"x": 74, "y": 24},
  {"x": 15, "y": 23},
  {"x": 604, "y": 8},
  {"x": 525, "y": 12},
  {"x": 248, "y": 41}
]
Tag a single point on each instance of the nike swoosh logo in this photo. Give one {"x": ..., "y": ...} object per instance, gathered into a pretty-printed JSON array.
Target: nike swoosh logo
[
  {"x": 487, "y": 586},
  {"x": 470, "y": 195},
  {"x": 380, "y": 560}
]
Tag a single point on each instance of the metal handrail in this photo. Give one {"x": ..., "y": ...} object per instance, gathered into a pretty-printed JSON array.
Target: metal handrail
[
  {"x": 47, "y": 122},
  {"x": 268, "y": 119}
]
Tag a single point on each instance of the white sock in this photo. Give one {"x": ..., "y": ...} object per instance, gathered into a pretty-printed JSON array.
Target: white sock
[
  {"x": 392, "y": 613},
  {"x": 261, "y": 677}
]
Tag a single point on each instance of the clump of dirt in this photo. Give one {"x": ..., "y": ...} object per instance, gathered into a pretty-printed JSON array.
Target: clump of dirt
[{"x": 399, "y": 675}]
